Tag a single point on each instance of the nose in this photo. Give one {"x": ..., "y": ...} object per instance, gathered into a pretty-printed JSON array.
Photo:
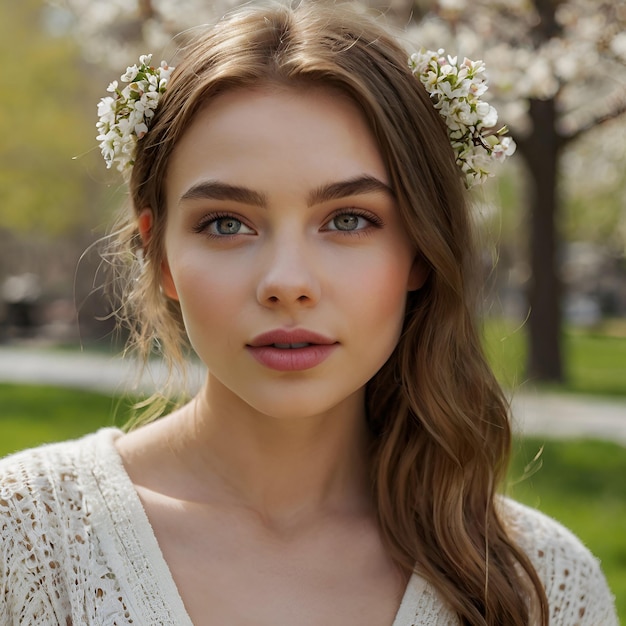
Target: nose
[{"x": 289, "y": 277}]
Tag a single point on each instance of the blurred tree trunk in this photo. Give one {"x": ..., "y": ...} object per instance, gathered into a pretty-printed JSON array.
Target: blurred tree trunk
[
  {"x": 545, "y": 360},
  {"x": 541, "y": 154}
]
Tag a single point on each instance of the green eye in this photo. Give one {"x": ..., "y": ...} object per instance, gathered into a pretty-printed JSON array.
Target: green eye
[
  {"x": 222, "y": 226},
  {"x": 346, "y": 221}
]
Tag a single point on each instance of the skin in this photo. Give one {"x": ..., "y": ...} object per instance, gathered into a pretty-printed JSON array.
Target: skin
[{"x": 260, "y": 485}]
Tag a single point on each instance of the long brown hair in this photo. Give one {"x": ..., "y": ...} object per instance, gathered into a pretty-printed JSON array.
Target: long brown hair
[{"x": 440, "y": 423}]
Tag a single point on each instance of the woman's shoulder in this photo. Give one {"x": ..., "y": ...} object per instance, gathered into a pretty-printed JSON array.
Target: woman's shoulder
[
  {"x": 576, "y": 588},
  {"x": 49, "y": 466},
  {"x": 56, "y": 565},
  {"x": 46, "y": 484},
  {"x": 534, "y": 529}
]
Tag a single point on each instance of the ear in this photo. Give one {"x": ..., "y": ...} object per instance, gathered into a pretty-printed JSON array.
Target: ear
[
  {"x": 144, "y": 226},
  {"x": 418, "y": 274},
  {"x": 145, "y": 221}
]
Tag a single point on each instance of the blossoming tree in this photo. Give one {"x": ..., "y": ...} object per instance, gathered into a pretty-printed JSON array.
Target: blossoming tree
[{"x": 559, "y": 66}]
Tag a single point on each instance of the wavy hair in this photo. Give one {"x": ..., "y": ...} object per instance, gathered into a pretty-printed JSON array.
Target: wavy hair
[{"x": 442, "y": 438}]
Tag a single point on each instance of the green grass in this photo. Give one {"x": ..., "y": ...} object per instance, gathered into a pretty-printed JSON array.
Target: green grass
[
  {"x": 30, "y": 414},
  {"x": 595, "y": 360},
  {"x": 580, "y": 483}
]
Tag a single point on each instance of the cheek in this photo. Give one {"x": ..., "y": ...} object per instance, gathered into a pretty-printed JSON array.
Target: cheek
[
  {"x": 378, "y": 315},
  {"x": 382, "y": 282},
  {"x": 205, "y": 293},
  {"x": 199, "y": 275},
  {"x": 376, "y": 306}
]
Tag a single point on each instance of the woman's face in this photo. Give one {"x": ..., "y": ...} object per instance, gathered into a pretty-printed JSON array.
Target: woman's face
[{"x": 285, "y": 249}]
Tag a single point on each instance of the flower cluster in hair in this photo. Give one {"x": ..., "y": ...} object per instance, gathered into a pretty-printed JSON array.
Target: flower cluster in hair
[
  {"x": 456, "y": 90},
  {"x": 126, "y": 115}
]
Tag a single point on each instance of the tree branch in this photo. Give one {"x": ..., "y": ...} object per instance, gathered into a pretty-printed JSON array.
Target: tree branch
[
  {"x": 146, "y": 9},
  {"x": 572, "y": 126}
]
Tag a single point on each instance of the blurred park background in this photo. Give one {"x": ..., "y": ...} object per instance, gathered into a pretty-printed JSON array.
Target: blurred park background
[{"x": 552, "y": 223}]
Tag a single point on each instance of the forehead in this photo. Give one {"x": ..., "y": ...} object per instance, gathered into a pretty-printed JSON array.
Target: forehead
[{"x": 264, "y": 136}]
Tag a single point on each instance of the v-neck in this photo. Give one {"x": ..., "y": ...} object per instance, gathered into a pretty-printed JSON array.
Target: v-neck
[{"x": 139, "y": 558}]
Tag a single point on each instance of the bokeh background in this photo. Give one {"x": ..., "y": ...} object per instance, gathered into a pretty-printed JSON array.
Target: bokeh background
[
  {"x": 554, "y": 220},
  {"x": 552, "y": 225}
]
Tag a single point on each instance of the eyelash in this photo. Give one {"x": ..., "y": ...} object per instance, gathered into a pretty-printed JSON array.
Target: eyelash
[
  {"x": 205, "y": 222},
  {"x": 375, "y": 220}
]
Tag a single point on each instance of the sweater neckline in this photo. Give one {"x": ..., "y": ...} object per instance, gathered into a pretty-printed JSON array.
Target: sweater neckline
[{"x": 138, "y": 549}]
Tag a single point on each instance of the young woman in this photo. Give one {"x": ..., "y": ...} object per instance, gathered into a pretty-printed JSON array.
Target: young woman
[{"x": 298, "y": 214}]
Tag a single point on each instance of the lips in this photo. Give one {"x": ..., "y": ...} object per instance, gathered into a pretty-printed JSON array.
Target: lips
[
  {"x": 290, "y": 339},
  {"x": 291, "y": 350}
]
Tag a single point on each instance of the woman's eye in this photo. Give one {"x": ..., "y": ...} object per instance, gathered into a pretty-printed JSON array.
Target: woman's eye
[
  {"x": 224, "y": 226},
  {"x": 348, "y": 221},
  {"x": 227, "y": 226}
]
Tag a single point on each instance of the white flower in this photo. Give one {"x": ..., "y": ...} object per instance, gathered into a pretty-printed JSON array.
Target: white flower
[
  {"x": 106, "y": 110},
  {"x": 130, "y": 74},
  {"x": 456, "y": 90},
  {"x": 488, "y": 114},
  {"x": 466, "y": 116},
  {"x": 452, "y": 91},
  {"x": 504, "y": 149},
  {"x": 124, "y": 117},
  {"x": 140, "y": 130}
]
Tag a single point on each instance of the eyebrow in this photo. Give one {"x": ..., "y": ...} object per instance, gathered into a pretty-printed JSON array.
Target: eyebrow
[
  {"x": 216, "y": 190},
  {"x": 352, "y": 187}
]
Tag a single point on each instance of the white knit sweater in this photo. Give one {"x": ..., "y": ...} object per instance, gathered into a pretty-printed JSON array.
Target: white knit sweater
[{"x": 78, "y": 549}]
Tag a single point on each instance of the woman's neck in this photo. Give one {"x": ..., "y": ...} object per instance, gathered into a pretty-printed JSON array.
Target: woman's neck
[{"x": 287, "y": 471}]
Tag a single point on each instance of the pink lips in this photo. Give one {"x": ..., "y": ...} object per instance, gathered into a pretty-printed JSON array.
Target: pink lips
[{"x": 291, "y": 350}]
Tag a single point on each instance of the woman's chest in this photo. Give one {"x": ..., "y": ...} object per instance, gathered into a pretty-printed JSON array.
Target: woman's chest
[
  {"x": 248, "y": 590},
  {"x": 228, "y": 571}
]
